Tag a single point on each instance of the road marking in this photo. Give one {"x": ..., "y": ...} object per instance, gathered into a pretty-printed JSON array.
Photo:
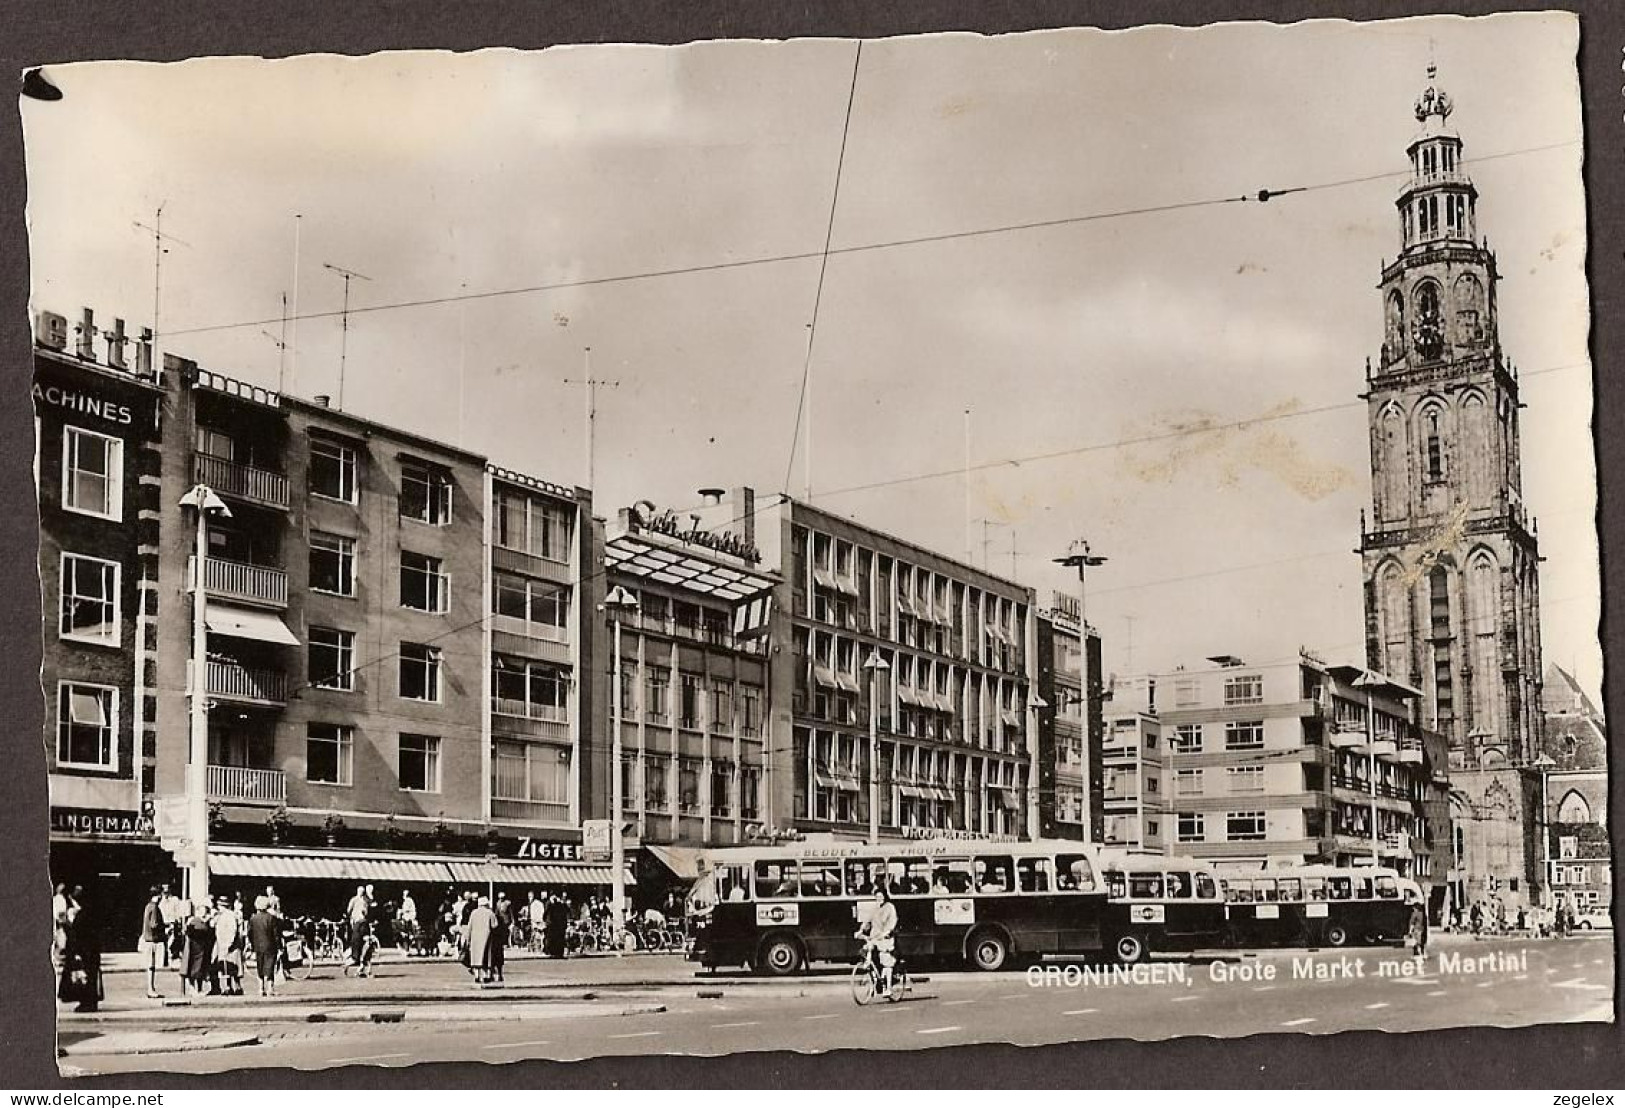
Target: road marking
[
  {"x": 1262, "y": 988},
  {"x": 633, "y": 1035},
  {"x": 368, "y": 1058},
  {"x": 1578, "y": 965},
  {"x": 951, "y": 1003},
  {"x": 1521, "y": 977},
  {"x": 1015, "y": 996},
  {"x": 1485, "y": 984},
  {"x": 1576, "y": 983},
  {"x": 1177, "y": 999},
  {"x": 1596, "y": 961},
  {"x": 1378, "y": 1004},
  {"x": 937, "y": 1030},
  {"x": 1437, "y": 992},
  {"x": 740, "y": 1023},
  {"x": 516, "y": 1046},
  {"x": 825, "y": 1016},
  {"x": 1299, "y": 1022},
  {"x": 1081, "y": 1012}
]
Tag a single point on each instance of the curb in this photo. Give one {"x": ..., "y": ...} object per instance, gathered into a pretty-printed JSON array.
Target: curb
[
  {"x": 150, "y": 1043},
  {"x": 443, "y": 1011}
]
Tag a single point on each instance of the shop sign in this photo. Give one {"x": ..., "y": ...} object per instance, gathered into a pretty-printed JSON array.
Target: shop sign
[
  {"x": 540, "y": 850},
  {"x": 645, "y": 515},
  {"x": 100, "y": 821},
  {"x": 595, "y": 839},
  {"x": 955, "y": 833}
]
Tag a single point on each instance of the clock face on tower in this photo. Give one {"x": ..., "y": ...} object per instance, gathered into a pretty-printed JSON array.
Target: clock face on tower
[{"x": 1427, "y": 333}]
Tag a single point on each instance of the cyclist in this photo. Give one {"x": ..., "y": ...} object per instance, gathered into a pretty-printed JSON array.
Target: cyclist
[{"x": 879, "y": 931}]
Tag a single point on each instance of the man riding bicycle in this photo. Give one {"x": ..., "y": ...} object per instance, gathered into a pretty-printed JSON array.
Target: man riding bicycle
[{"x": 879, "y": 931}]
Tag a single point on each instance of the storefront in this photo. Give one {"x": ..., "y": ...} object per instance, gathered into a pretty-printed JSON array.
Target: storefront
[{"x": 114, "y": 858}]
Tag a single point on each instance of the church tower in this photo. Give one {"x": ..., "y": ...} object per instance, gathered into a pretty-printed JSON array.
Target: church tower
[{"x": 1450, "y": 556}]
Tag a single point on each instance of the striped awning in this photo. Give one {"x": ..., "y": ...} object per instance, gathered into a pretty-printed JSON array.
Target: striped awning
[
  {"x": 325, "y": 866},
  {"x": 538, "y": 873}
]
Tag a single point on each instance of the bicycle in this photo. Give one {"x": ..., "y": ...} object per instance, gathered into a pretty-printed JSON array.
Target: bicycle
[{"x": 866, "y": 977}]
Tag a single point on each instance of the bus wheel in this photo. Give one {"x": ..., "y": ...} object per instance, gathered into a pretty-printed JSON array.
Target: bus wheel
[
  {"x": 1337, "y": 935},
  {"x": 1132, "y": 948},
  {"x": 989, "y": 951},
  {"x": 780, "y": 956}
]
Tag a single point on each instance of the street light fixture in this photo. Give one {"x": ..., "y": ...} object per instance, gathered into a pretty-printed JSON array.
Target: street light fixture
[
  {"x": 1079, "y": 555},
  {"x": 874, "y": 665},
  {"x": 202, "y": 500},
  {"x": 620, "y": 604},
  {"x": 1545, "y": 764},
  {"x": 1035, "y": 704}
]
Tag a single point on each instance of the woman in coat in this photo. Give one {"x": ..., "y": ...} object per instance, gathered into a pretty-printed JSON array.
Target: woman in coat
[
  {"x": 556, "y": 922},
  {"x": 228, "y": 949},
  {"x": 199, "y": 963},
  {"x": 81, "y": 977},
  {"x": 482, "y": 923}
]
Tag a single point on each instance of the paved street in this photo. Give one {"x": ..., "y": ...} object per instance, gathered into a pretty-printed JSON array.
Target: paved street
[{"x": 657, "y": 1005}]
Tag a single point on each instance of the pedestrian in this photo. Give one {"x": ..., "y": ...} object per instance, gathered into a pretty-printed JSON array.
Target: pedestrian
[
  {"x": 228, "y": 950},
  {"x": 500, "y": 935},
  {"x": 357, "y": 913},
  {"x": 80, "y": 980},
  {"x": 556, "y": 925},
  {"x": 59, "y": 923},
  {"x": 154, "y": 944},
  {"x": 170, "y": 905},
  {"x": 465, "y": 910},
  {"x": 406, "y": 922},
  {"x": 198, "y": 964},
  {"x": 265, "y": 938},
  {"x": 482, "y": 922}
]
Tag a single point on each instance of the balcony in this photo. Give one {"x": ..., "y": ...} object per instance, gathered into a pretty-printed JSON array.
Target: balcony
[
  {"x": 1410, "y": 752},
  {"x": 250, "y": 584},
  {"x": 230, "y": 680},
  {"x": 243, "y": 482},
  {"x": 252, "y": 786},
  {"x": 1347, "y": 732}
]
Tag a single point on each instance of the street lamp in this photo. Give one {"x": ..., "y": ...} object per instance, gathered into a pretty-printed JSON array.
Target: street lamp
[
  {"x": 1079, "y": 555},
  {"x": 202, "y": 500},
  {"x": 1545, "y": 763},
  {"x": 875, "y": 665},
  {"x": 620, "y": 604},
  {"x": 1035, "y": 704}
]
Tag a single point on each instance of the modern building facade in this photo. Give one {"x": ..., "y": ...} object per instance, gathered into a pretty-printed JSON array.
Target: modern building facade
[
  {"x": 97, "y": 418},
  {"x": 1450, "y": 556},
  {"x": 1136, "y": 784},
  {"x": 1071, "y": 781}
]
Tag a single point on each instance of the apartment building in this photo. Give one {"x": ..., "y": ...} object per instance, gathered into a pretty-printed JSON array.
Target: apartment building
[
  {"x": 1135, "y": 784},
  {"x": 1071, "y": 771},
  {"x": 97, "y": 420}
]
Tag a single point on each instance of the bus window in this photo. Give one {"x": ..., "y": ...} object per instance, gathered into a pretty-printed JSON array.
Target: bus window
[
  {"x": 1241, "y": 892},
  {"x": 776, "y": 879},
  {"x": 730, "y": 883},
  {"x": 1314, "y": 888},
  {"x": 910, "y": 876},
  {"x": 1145, "y": 886},
  {"x": 951, "y": 877},
  {"x": 1073, "y": 873},
  {"x": 820, "y": 878},
  {"x": 1291, "y": 888},
  {"x": 1340, "y": 888},
  {"x": 1387, "y": 888},
  {"x": 1032, "y": 875},
  {"x": 1362, "y": 889},
  {"x": 1267, "y": 893},
  {"x": 860, "y": 877},
  {"x": 994, "y": 875},
  {"x": 1205, "y": 887},
  {"x": 1178, "y": 885}
]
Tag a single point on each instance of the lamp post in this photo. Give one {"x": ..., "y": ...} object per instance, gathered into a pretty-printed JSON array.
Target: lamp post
[
  {"x": 202, "y": 500},
  {"x": 875, "y": 665},
  {"x": 619, "y": 603},
  {"x": 1545, "y": 763},
  {"x": 1080, "y": 556},
  {"x": 1035, "y": 704}
]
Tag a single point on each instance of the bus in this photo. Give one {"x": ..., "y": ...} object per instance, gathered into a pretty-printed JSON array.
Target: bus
[
  {"x": 1161, "y": 904},
  {"x": 778, "y": 908},
  {"x": 1322, "y": 905}
]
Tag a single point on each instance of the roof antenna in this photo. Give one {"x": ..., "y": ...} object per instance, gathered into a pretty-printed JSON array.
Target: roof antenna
[{"x": 344, "y": 326}]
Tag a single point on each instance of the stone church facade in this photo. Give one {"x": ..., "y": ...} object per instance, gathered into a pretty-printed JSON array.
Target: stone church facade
[{"x": 1450, "y": 554}]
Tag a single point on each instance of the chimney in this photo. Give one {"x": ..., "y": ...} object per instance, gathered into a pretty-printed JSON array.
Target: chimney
[
  {"x": 323, "y": 399},
  {"x": 711, "y": 497},
  {"x": 745, "y": 505}
]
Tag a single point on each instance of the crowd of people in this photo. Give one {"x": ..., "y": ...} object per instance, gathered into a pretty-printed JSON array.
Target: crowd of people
[
  {"x": 207, "y": 942},
  {"x": 1493, "y": 917},
  {"x": 76, "y": 950}
]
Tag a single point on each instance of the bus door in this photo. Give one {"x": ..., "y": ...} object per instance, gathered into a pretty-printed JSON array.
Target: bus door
[
  {"x": 1292, "y": 929},
  {"x": 1344, "y": 913},
  {"x": 1390, "y": 915},
  {"x": 1032, "y": 915},
  {"x": 826, "y": 914},
  {"x": 1209, "y": 908},
  {"x": 910, "y": 881},
  {"x": 1077, "y": 906}
]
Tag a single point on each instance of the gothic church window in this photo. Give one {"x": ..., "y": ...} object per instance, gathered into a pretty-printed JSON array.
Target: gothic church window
[
  {"x": 1469, "y": 297},
  {"x": 1433, "y": 445}
]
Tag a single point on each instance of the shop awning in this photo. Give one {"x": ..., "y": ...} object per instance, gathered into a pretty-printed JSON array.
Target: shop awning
[
  {"x": 527, "y": 873},
  {"x": 325, "y": 866},
  {"x": 683, "y": 861},
  {"x": 245, "y": 623}
]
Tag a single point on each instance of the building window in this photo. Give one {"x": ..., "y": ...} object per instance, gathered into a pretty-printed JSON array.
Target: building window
[
  {"x": 424, "y": 587},
  {"x": 544, "y": 606},
  {"x": 688, "y": 785},
  {"x": 532, "y": 773},
  {"x": 722, "y": 706},
  {"x": 332, "y": 470},
  {"x": 688, "y": 704},
  {"x": 657, "y": 690},
  {"x": 329, "y": 750},
  {"x": 90, "y": 600},
  {"x": 1187, "y": 692},
  {"x": 1188, "y": 782},
  {"x": 1246, "y": 779},
  {"x": 420, "y": 763},
  {"x": 750, "y": 710},
  {"x": 1248, "y": 735},
  {"x": 1248, "y": 689},
  {"x": 533, "y": 526},
  {"x": 1244, "y": 827},
  {"x": 425, "y": 494},
  {"x": 531, "y": 689},
  {"x": 1187, "y": 739},
  {"x": 1192, "y": 827},
  {"x": 92, "y": 473},
  {"x": 721, "y": 789},
  {"x": 420, "y": 672},
  {"x": 750, "y": 781},
  {"x": 654, "y": 784},
  {"x": 86, "y": 726},
  {"x": 332, "y": 659},
  {"x": 332, "y": 564},
  {"x": 1435, "y": 449}
]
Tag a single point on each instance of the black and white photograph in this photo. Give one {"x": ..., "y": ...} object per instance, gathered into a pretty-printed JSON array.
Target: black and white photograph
[{"x": 816, "y": 545}]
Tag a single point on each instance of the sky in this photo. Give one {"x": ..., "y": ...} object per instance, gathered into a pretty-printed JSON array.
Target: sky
[{"x": 1101, "y": 358}]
